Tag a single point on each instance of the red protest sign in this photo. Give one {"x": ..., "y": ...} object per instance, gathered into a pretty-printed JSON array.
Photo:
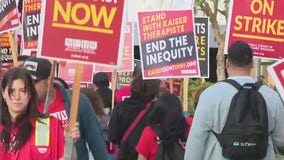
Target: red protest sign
[
  {"x": 67, "y": 72},
  {"x": 176, "y": 85},
  {"x": 9, "y": 16},
  {"x": 260, "y": 24},
  {"x": 127, "y": 63},
  {"x": 277, "y": 73},
  {"x": 83, "y": 31},
  {"x": 103, "y": 68},
  {"x": 167, "y": 42}
]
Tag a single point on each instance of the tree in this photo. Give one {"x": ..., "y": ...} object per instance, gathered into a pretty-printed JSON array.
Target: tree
[{"x": 211, "y": 8}]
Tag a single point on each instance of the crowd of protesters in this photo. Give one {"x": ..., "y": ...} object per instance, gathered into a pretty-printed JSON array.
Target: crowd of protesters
[{"x": 31, "y": 128}]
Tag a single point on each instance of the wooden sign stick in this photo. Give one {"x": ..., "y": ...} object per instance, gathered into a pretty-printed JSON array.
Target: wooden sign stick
[
  {"x": 185, "y": 94},
  {"x": 69, "y": 145},
  {"x": 171, "y": 85},
  {"x": 113, "y": 86},
  {"x": 13, "y": 48},
  {"x": 75, "y": 95}
]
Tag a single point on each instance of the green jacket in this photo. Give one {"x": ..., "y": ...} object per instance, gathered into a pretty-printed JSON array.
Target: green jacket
[{"x": 90, "y": 130}]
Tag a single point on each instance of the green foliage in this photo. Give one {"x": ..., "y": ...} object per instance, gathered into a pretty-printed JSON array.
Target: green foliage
[
  {"x": 194, "y": 86},
  {"x": 279, "y": 153},
  {"x": 198, "y": 3}
]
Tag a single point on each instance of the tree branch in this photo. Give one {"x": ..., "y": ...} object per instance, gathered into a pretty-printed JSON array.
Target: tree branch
[
  {"x": 227, "y": 2},
  {"x": 215, "y": 6},
  {"x": 206, "y": 9},
  {"x": 222, "y": 12}
]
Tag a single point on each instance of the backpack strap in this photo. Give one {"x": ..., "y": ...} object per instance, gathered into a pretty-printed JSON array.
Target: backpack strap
[
  {"x": 233, "y": 83},
  {"x": 135, "y": 122},
  {"x": 258, "y": 85},
  {"x": 157, "y": 129},
  {"x": 238, "y": 86}
]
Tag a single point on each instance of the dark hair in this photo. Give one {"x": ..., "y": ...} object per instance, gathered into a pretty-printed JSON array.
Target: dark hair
[
  {"x": 240, "y": 54},
  {"x": 137, "y": 68},
  {"x": 20, "y": 5},
  {"x": 22, "y": 57},
  {"x": 22, "y": 121},
  {"x": 145, "y": 89},
  {"x": 168, "y": 115},
  {"x": 101, "y": 80},
  {"x": 95, "y": 99},
  {"x": 61, "y": 82}
]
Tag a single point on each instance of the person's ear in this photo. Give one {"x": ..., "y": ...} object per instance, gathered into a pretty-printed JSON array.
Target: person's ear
[
  {"x": 4, "y": 95},
  {"x": 227, "y": 65},
  {"x": 251, "y": 65}
]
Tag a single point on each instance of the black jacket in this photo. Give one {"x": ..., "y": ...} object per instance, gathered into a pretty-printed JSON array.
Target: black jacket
[{"x": 123, "y": 115}]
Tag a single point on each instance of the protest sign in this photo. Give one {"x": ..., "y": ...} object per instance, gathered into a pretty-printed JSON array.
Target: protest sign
[
  {"x": 176, "y": 84},
  {"x": 124, "y": 79},
  {"x": 276, "y": 71},
  {"x": 150, "y": 5},
  {"x": 82, "y": 31},
  {"x": 5, "y": 50},
  {"x": 6, "y": 54},
  {"x": 67, "y": 72},
  {"x": 202, "y": 41},
  {"x": 9, "y": 16},
  {"x": 31, "y": 21},
  {"x": 128, "y": 49},
  {"x": 103, "y": 68},
  {"x": 167, "y": 44},
  {"x": 260, "y": 24}
]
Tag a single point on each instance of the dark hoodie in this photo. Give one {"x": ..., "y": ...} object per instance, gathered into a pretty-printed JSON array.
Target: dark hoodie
[{"x": 123, "y": 115}]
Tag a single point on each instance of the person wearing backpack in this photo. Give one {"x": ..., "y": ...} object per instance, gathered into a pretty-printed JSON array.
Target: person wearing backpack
[
  {"x": 129, "y": 117},
  {"x": 221, "y": 110},
  {"x": 165, "y": 135}
]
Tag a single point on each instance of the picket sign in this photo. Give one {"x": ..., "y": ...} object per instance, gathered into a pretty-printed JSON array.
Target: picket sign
[
  {"x": 185, "y": 94},
  {"x": 69, "y": 145},
  {"x": 13, "y": 48}
]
